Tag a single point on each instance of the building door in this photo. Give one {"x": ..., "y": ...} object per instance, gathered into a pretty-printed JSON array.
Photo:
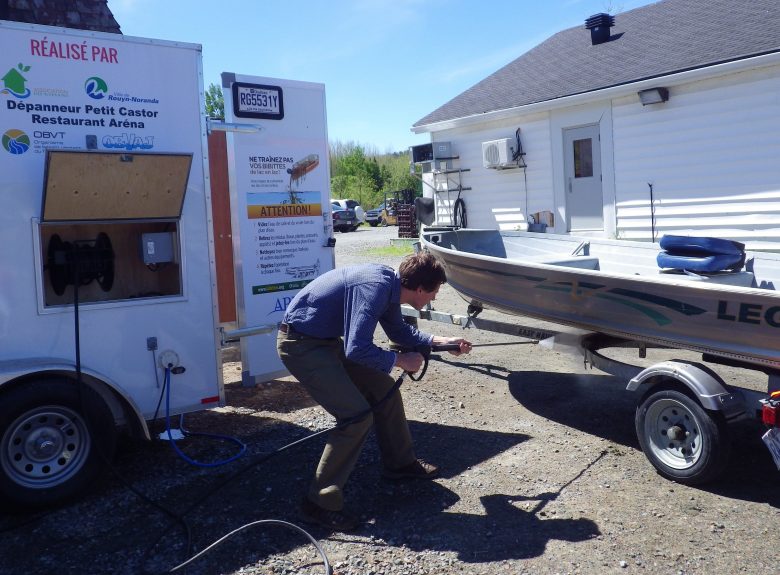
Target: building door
[{"x": 582, "y": 163}]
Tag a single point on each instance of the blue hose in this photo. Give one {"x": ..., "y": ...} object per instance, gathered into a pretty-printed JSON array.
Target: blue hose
[{"x": 184, "y": 456}]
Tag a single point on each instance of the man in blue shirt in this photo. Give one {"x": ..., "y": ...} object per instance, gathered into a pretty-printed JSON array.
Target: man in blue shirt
[{"x": 326, "y": 342}]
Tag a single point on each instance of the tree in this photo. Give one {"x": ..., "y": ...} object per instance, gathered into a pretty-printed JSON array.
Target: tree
[
  {"x": 366, "y": 177},
  {"x": 215, "y": 103}
]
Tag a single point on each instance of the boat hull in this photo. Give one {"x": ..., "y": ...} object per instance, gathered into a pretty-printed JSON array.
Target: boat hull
[{"x": 624, "y": 295}]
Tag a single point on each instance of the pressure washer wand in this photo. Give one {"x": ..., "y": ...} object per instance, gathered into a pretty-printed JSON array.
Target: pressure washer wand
[{"x": 456, "y": 346}]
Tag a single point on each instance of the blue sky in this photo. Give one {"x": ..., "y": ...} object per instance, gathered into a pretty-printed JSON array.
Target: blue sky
[{"x": 385, "y": 63}]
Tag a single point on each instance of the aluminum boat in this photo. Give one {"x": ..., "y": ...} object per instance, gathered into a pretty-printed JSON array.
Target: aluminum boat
[{"x": 616, "y": 287}]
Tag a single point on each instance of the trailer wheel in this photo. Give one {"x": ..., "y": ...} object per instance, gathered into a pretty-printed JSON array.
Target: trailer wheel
[
  {"x": 49, "y": 450},
  {"x": 683, "y": 441}
]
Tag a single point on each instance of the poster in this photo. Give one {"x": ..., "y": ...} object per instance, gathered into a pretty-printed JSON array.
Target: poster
[{"x": 280, "y": 197}]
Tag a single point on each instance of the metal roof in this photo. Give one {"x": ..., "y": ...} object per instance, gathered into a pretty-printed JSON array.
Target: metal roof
[{"x": 656, "y": 40}]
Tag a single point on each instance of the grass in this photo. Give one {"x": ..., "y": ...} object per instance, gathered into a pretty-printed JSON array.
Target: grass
[{"x": 392, "y": 250}]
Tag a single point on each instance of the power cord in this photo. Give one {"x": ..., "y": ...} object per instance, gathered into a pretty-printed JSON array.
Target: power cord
[
  {"x": 326, "y": 563},
  {"x": 263, "y": 458}
]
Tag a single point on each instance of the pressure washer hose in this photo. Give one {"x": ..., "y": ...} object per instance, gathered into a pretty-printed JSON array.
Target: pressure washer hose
[
  {"x": 179, "y": 452},
  {"x": 424, "y": 350}
]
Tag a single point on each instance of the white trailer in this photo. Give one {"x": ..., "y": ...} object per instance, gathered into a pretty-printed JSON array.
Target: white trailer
[{"x": 106, "y": 254}]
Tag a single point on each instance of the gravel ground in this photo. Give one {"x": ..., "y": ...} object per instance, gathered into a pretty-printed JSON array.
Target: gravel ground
[{"x": 541, "y": 474}]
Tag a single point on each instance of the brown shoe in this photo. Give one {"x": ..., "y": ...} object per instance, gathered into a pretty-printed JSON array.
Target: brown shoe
[
  {"x": 336, "y": 520},
  {"x": 417, "y": 469}
]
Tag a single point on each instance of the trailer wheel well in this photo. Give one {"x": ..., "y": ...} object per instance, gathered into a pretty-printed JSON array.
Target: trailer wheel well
[
  {"x": 125, "y": 417},
  {"x": 656, "y": 382},
  {"x": 694, "y": 379}
]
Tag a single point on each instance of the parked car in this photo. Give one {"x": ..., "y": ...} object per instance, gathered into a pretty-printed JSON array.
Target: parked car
[
  {"x": 344, "y": 220},
  {"x": 352, "y": 205},
  {"x": 374, "y": 216}
]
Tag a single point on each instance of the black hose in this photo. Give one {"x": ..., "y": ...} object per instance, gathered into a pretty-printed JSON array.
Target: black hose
[{"x": 459, "y": 213}]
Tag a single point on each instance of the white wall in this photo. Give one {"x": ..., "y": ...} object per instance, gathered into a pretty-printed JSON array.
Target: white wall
[
  {"x": 712, "y": 154},
  {"x": 499, "y": 198}
]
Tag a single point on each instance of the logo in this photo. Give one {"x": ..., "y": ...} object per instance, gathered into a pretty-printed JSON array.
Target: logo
[
  {"x": 280, "y": 305},
  {"x": 16, "y": 142},
  {"x": 96, "y": 88},
  {"x": 13, "y": 82},
  {"x": 128, "y": 142}
]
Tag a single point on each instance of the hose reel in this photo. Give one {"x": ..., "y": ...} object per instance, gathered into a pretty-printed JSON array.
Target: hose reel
[{"x": 85, "y": 260}]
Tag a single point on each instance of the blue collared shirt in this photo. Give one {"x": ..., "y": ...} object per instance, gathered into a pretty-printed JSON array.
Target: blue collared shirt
[{"x": 349, "y": 302}]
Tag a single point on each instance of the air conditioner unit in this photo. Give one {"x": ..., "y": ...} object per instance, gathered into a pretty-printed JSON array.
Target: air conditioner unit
[{"x": 497, "y": 154}]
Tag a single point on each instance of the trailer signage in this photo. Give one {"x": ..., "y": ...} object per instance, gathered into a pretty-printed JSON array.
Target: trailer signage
[
  {"x": 73, "y": 51},
  {"x": 279, "y": 185},
  {"x": 79, "y": 112}
]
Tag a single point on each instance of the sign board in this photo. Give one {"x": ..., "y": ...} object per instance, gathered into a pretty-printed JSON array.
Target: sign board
[
  {"x": 280, "y": 193},
  {"x": 120, "y": 121}
]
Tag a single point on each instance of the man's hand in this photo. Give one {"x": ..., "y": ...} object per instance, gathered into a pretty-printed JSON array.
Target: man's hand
[
  {"x": 410, "y": 361},
  {"x": 464, "y": 345}
]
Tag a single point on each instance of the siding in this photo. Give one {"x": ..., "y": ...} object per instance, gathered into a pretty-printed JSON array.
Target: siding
[
  {"x": 498, "y": 198},
  {"x": 711, "y": 153}
]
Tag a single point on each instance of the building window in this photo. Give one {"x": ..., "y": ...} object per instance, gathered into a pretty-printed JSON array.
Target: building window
[{"x": 583, "y": 158}]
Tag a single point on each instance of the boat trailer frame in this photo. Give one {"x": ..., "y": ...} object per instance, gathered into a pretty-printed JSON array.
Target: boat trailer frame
[{"x": 693, "y": 447}]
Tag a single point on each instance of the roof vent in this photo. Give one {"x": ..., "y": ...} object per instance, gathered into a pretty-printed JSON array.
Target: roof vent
[{"x": 599, "y": 25}]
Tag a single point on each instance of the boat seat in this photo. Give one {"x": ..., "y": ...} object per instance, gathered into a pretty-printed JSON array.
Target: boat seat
[
  {"x": 567, "y": 260},
  {"x": 744, "y": 279}
]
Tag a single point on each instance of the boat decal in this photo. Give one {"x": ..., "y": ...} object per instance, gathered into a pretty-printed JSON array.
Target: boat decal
[
  {"x": 678, "y": 306},
  {"x": 574, "y": 290},
  {"x": 656, "y": 316}
]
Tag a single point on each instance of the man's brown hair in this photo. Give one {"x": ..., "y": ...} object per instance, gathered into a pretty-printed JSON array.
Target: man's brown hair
[{"x": 421, "y": 270}]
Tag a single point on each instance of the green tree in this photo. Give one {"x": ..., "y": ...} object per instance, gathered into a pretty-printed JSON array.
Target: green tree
[
  {"x": 367, "y": 175},
  {"x": 215, "y": 103}
]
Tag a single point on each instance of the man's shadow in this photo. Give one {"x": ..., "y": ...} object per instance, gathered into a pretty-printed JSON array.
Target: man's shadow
[
  {"x": 506, "y": 530},
  {"x": 509, "y": 528}
]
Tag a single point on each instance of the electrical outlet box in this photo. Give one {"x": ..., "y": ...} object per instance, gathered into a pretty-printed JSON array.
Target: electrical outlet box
[{"x": 157, "y": 248}]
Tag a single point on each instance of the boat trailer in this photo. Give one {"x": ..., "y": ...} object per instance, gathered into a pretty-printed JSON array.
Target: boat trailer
[{"x": 684, "y": 408}]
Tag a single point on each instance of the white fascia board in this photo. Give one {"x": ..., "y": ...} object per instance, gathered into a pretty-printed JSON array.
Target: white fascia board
[{"x": 606, "y": 93}]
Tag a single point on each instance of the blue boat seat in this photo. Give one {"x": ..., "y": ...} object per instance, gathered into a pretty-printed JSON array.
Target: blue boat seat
[
  {"x": 701, "y": 263},
  {"x": 701, "y": 254}
]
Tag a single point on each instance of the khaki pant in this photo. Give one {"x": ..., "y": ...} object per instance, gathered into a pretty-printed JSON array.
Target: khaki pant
[{"x": 345, "y": 389}]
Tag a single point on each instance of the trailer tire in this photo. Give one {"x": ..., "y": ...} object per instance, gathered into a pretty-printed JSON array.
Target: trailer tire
[
  {"x": 49, "y": 450},
  {"x": 685, "y": 442}
]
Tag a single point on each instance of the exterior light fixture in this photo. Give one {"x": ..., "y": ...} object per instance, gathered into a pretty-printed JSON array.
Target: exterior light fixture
[{"x": 653, "y": 96}]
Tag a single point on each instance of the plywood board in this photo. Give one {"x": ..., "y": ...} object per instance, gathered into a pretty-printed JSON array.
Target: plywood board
[{"x": 83, "y": 185}]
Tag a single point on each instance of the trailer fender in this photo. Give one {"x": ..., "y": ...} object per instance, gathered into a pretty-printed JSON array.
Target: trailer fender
[
  {"x": 711, "y": 391},
  {"x": 121, "y": 404}
]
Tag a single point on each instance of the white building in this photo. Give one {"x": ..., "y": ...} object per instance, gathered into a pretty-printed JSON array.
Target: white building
[{"x": 704, "y": 159}]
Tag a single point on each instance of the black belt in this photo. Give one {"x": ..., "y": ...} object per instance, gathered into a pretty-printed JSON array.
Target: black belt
[{"x": 292, "y": 333}]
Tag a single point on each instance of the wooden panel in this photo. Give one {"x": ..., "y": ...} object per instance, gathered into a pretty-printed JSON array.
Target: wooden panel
[
  {"x": 223, "y": 235},
  {"x": 114, "y": 186}
]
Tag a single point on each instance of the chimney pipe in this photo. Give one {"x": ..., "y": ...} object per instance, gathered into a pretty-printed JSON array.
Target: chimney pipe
[{"x": 599, "y": 25}]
